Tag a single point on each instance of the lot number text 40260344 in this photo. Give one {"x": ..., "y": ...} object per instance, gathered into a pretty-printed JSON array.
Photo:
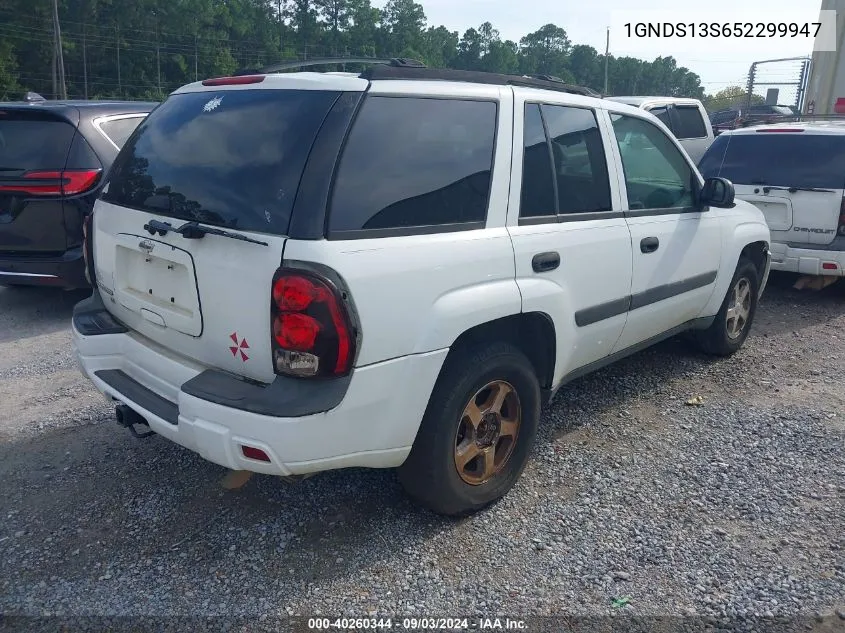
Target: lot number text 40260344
[{"x": 721, "y": 29}]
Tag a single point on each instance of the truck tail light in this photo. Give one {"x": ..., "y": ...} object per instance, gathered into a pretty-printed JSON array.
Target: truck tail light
[
  {"x": 68, "y": 182},
  {"x": 313, "y": 334}
]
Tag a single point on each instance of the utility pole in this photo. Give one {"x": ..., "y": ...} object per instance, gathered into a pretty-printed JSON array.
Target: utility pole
[
  {"x": 158, "y": 62},
  {"x": 117, "y": 45},
  {"x": 196, "y": 57},
  {"x": 606, "y": 61},
  {"x": 281, "y": 26},
  {"x": 85, "y": 60},
  {"x": 57, "y": 42}
]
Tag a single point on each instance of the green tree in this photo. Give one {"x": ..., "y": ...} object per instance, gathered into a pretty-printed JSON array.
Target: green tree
[
  {"x": 545, "y": 51},
  {"x": 730, "y": 97}
]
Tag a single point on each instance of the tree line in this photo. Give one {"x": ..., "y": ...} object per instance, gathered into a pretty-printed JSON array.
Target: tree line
[{"x": 143, "y": 49}]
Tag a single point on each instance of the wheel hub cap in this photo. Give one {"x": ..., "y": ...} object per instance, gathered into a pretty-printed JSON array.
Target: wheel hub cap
[
  {"x": 487, "y": 432},
  {"x": 739, "y": 308}
]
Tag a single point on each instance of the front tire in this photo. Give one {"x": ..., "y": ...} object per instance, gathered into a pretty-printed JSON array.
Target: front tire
[
  {"x": 477, "y": 432},
  {"x": 732, "y": 324}
]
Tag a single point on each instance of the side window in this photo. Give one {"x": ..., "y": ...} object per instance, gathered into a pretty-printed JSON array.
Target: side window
[
  {"x": 538, "y": 189},
  {"x": 119, "y": 130},
  {"x": 662, "y": 113},
  {"x": 579, "y": 159},
  {"x": 657, "y": 175},
  {"x": 690, "y": 123},
  {"x": 415, "y": 162}
]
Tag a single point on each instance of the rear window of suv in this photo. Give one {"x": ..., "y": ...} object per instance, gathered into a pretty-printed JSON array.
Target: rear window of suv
[
  {"x": 779, "y": 159},
  {"x": 232, "y": 158},
  {"x": 30, "y": 142}
]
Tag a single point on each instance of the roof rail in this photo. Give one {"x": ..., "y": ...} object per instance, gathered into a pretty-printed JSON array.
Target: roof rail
[
  {"x": 399, "y": 62},
  {"x": 445, "y": 74}
]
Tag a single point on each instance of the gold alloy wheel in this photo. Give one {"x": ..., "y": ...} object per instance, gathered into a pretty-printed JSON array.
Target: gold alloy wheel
[
  {"x": 487, "y": 432},
  {"x": 739, "y": 308}
]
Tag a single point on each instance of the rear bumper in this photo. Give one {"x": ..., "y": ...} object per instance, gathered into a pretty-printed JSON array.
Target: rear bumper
[
  {"x": 374, "y": 424},
  {"x": 66, "y": 270},
  {"x": 808, "y": 261}
]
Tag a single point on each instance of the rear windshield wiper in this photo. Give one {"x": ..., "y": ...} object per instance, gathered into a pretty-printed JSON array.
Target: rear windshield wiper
[{"x": 195, "y": 231}]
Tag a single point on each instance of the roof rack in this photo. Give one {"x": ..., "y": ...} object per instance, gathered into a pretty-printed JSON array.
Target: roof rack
[
  {"x": 404, "y": 68},
  {"x": 399, "y": 62},
  {"x": 445, "y": 74}
]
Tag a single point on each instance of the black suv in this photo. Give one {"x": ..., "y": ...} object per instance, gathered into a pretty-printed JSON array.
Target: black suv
[
  {"x": 53, "y": 159},
  {"x": 733, "y": 118}
]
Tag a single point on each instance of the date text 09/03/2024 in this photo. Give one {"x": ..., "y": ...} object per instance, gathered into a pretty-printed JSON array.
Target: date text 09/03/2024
[
  {"x": 722, "y": 29},
  {"x": 416, "y": 624}
]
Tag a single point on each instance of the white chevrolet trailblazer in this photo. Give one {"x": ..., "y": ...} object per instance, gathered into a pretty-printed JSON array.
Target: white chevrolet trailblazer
[
  {"x": 795, "y": 174},
  {"x": 301, "y": 272}
]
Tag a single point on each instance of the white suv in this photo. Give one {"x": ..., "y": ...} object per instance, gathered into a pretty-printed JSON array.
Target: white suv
[
  {"x": 306, "y": 271},
  {"x": 795, "y": 174}
]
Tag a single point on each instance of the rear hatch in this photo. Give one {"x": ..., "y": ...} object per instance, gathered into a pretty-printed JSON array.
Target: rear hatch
[
  {"x": 794, "y": 176},
  {"x": 43, "y": 161},
  {"x": 227, "y": 158}
]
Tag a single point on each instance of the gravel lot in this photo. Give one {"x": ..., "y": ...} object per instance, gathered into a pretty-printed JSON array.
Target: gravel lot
[{"x": 731, "y": 508}]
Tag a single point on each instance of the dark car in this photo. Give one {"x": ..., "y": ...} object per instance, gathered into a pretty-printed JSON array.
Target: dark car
[
  {"x": 53, "y": 159},
  {"x": 733, "y": 118}
]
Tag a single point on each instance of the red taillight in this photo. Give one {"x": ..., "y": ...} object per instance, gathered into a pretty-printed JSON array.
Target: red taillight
[
  {"x": 829, "y": 266},
  {"x": 312, "y": 331},
  {"x": 234, "y": 81},
  {"x": 68, "y": 182},
  {"x": 295, "y": 331}
]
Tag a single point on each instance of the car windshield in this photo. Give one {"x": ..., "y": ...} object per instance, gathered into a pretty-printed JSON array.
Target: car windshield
[
  {"x": 787, "y": 160},
  {"x": 232, "y": 158}
]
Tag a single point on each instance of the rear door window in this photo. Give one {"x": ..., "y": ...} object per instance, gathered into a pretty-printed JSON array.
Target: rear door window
[
  {"x": 690, "y": 123},
  {"x": 29, "y": 141},
  {"x": 411, "y": 164},
  {"x": 786, "y": 160},
  {"x": 232, "y": 158},
  {"x": 580, "y": 163},
  {"x": 538, "y": 187}
]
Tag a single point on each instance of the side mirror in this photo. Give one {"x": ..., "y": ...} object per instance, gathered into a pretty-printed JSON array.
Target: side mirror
[{"x": 717, "y": 192}]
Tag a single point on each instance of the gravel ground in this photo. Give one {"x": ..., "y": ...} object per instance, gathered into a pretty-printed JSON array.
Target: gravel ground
[{"x": 633, "y": 502}]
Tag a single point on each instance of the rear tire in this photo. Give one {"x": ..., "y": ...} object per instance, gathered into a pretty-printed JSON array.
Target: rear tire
[
  {"x": 732, "y": 324},
  {"x": 477, "y": 432}
]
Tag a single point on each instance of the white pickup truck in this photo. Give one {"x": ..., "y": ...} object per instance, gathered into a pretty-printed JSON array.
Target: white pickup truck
[{"x": 301, "y": 272}]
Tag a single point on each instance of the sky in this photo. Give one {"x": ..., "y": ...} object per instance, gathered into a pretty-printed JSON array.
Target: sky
[{"x": 719, "y": 63}]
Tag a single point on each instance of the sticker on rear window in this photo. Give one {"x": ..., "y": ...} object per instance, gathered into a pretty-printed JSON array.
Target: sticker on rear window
[{"x": 212, "y": 105}]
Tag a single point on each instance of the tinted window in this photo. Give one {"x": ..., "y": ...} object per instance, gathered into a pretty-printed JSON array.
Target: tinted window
[
  {"x": 412, "y": 162},
  {"x": 724, "y": 117},
  {"x": 538, "y": 193},
  {"x": 662, "y": 113},
  {"x": 690, "y": 122},
  {"x": 232, "y": 158},
  {"x": 30, "y": 143},
  {"x": 119, "y": 130},
  {"x": 580, "y": 163},
  {"x": 787, "y": 160},
  {"x": 656, "y": 174},
  {"x": 81, "y": 155}
]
